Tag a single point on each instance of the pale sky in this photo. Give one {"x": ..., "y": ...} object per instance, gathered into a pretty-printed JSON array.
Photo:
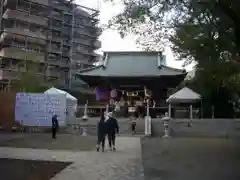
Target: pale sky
[{"x": 111, "y": 40}]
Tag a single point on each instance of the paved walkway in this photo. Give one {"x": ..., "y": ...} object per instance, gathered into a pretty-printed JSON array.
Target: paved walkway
[{"x": 125, "y": 164}]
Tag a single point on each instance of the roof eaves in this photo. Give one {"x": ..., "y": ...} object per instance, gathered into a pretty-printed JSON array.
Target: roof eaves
[
  {"x": 89, "y": 69},
  {"x": 175, "y": 69},
  {"x": 105, "y": 61},
  {"x": 159, "y": 65},
  {"x": 132, "y": 52}
]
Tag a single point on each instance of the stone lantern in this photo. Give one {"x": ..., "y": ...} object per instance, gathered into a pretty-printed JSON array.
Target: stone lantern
[{"x": 166, "y": 120}]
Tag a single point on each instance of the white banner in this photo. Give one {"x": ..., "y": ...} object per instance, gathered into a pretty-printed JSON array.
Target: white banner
[{"x": 37, "y": 109}]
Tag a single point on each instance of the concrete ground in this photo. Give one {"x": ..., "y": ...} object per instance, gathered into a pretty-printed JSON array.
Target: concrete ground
[
  {"x": 45, "y": 141},
  {"x": 155, "y": 159},
  {"x": 29, "y": 169},
  {"x": 191, "y": 159},
  {"x": 124, "y": 164}
]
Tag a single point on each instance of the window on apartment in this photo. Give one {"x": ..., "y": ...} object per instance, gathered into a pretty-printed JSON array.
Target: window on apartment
[
  {"x": 41, "y": 69},
  {"x": 15, "y": 42},
  {"x": 55, "y": 34},
  {"x": 65, "y": 49},
  {"x": 38, "y": 10},
  {"x": 55, "y": 2},
  {"x": 55, "y": 45},
  {"x": 65, "y": 59},
  {"x": 84, "y": 66},
  {"x": 8, "y": 23},
  {"x": 52, "y": 57},
  {"x": 56, "y": 14},
  {"x": 34, "y": 28},
  {"x": 22, "y": 25},
  {"x": 67, "y": 19},
  {"x": 56, "y": 23},
  {"x": 36, "y": 47}
]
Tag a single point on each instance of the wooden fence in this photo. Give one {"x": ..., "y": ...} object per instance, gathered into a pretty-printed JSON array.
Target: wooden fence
[{"x": 7, "y": 108}]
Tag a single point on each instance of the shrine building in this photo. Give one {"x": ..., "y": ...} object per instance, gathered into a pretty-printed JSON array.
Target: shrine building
[{"x": 131, "y": 76}]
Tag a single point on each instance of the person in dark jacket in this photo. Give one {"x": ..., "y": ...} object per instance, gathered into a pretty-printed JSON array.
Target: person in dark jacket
[
  {"x": 101, "y": 132},
  {"x": 112, "y": 129},
  {"x": 55, "y": 126}
]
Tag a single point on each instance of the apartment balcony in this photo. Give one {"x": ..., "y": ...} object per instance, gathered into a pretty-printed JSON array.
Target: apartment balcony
[
  {"x": 98, "y": 31},
  {"x": 8, "y": 74},
  {"x": 80, "y": 57},
  {"x": 13, "y": 74},
  {"x": 24, "y": 16},
  {"x": 55, "y": 39},
  {"x": 62, "y": 7},
  {"x": 66, "y": 53},
  {"x": 95, "y": 54},
  {"x": 97, "y": 44},
  {"x": 20, "y": 53},
  {"x": 85, "y": 32},
  {"x": 87, "y": 59},
  {"x": 43, "y": 2},
  {"x": 54, "y": 50},
  {"x": 56, "y": 15},
  {"x": 20, "y": 34},
  {"x": 82, "y": 50},
  {"x": 51, "y": 73}
]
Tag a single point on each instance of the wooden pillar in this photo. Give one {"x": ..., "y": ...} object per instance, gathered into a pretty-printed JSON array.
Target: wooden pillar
[
  {"x": 190, "y": 112},
  {"x": 169, "y": 110}
]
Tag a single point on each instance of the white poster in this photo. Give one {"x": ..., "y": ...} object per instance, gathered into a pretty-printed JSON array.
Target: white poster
[{"x": 37, "y": 109}]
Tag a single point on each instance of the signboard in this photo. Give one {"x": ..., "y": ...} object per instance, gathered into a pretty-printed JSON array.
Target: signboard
[{"x": 37, "y": 109}]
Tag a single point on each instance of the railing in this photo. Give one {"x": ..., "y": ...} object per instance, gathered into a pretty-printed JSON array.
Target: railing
[
  {"x": 85, "y": 32},
  {"x": 44, "y": 2},
  {"x": 23, "y": 33}
]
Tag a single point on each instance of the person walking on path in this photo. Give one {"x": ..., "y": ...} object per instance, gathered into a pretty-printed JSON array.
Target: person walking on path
[
  {"x": 133, "y": 124},
  {"x": 102, "y": 131},
  {"x": 55, "y": 126},
  {"x": 112, "y": 129}
]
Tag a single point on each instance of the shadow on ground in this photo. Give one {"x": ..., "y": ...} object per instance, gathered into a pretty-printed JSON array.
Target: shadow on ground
[
  {"x": 44, "y": 141},
  {"x": 16, "y": 169},
  {"x": 191, "y": 159}
]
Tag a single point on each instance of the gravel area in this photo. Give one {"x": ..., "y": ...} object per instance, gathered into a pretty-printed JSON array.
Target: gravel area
[
  {"x": 44, "y": 141},
  {"x": 190, "y": 159},
  {"x": 15, "y": 169}
]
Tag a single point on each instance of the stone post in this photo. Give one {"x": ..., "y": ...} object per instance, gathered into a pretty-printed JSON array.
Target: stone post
[
  {"x": 85, "y": 118},
  {"x": 148, "y": 122}
]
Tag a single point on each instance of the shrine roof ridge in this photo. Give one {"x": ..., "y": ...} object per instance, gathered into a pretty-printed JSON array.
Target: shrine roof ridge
[
  {"x": 132, "y": 64},
  {"x": 132, "y": 52}
]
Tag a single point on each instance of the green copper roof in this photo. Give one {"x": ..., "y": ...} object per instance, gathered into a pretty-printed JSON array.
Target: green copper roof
[{"x": 132, "y": 64}]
